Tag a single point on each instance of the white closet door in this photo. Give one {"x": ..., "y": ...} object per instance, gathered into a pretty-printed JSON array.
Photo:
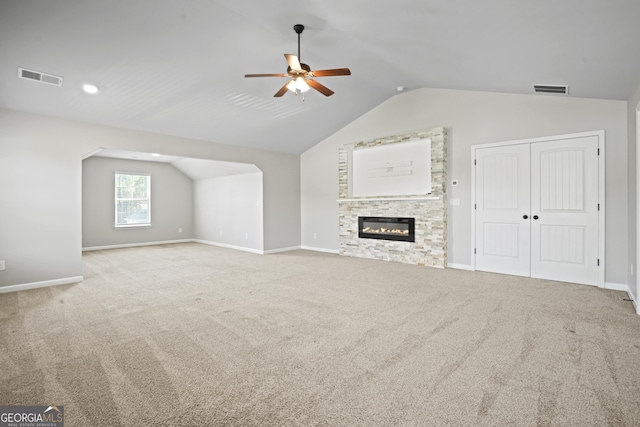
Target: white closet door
[
  {"x": 564, "y": 210},
  {"x": 502, "y": 209}
]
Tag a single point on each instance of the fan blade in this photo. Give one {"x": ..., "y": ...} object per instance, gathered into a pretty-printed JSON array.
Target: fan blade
[
  {"x": 293, "y": 61},
  {"x": 320, "y": 88},
  {"x": 333, "y": 72},
  {"x": 281, "y": 92},
  {"x": 266, "y": 75}
]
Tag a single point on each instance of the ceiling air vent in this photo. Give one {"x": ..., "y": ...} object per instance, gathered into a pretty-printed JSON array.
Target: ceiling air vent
[
  {"x": 561, "y": 89},
  {"x": 37, "y": 76}
]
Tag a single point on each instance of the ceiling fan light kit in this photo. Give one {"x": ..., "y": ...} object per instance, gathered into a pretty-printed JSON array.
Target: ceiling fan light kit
[
  {"x": 301, "y": 74},
  {"x": 298, "y": 85}
]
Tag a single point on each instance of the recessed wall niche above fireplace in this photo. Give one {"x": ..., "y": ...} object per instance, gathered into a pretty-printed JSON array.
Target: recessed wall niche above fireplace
[{"x": 427, "y": 207}]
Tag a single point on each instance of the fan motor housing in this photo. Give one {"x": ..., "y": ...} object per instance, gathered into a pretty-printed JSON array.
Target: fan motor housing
[{"x": 295, "y": 73}]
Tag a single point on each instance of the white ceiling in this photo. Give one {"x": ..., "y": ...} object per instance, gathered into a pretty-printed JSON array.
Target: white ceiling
[
  {"x": 177, "y": 67},
  {"x": 135, "y": 155},
  {"x": 195, "y": 169}
]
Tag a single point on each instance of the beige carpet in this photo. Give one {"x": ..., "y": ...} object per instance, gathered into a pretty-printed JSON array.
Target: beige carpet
[{"x": 193, "y": 335}]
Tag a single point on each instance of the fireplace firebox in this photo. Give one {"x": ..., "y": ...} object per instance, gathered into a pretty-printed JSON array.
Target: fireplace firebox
[{"x": 375, "y": 227}]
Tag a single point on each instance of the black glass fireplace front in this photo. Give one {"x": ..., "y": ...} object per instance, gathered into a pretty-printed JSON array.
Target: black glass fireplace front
[{"x": 375, "y": 227}]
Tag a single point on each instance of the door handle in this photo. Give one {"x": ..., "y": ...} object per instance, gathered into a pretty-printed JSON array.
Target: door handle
[
  {"x": 525, "y": 216},
  {"x": 535, "y": 217}
]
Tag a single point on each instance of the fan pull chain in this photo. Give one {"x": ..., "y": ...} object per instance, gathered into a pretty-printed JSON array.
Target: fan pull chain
[{"x": 298, "y": 91}]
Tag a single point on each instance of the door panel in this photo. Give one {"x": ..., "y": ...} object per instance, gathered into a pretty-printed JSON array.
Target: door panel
[
  {"x": 502, "y": 196},
  {"x": 564, "y": 197},
  {"x": 501, "y": 240},
  {"x": 561, "y": 179},
  {"x": 562, "y": 244}
]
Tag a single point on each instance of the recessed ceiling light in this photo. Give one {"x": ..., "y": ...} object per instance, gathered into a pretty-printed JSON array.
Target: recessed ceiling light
[
  {"x": 90, "y": 88},
  {"x": 155, "y": 155},
  {"x": 400, "y": 89}
]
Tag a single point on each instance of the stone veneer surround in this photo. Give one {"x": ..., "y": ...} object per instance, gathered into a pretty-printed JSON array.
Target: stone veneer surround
[{"x": 429, "y": 210}]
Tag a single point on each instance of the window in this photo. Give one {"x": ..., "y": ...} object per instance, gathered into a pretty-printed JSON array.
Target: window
[{"x": 133, "y": 199}]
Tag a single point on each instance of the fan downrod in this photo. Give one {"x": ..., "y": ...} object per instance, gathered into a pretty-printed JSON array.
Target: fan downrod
[{"x": 298, "y": 28}]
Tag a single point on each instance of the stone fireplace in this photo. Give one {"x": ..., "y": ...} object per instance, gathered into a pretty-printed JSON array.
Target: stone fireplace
[{"x": 428, "y": 212}]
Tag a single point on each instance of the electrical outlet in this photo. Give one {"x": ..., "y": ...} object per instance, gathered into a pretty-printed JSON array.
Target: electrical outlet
[
  {"x": 2, "y": 265},
  {"x": 179, "y": 230},
  {"x": 315, "y": 235},
  {"x": 454, "y": 202},
  {"x": 246, "y": 235}
]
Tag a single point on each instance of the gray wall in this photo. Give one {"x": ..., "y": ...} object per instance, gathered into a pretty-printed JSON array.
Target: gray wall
[
  {"x": 632, "y": 118},
  {"x": 171, "y": 203},
  {"x": 228, "y": 211},
  {"x": 472, "y": 118},
  {"x": 41, "y": 194}
]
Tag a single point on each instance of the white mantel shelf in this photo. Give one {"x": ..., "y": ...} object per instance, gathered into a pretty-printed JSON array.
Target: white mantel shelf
[{"x": 390, "y": 199}]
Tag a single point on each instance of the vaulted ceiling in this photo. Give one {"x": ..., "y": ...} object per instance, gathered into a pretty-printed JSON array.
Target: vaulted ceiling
[{"x": 177, "y": 67}]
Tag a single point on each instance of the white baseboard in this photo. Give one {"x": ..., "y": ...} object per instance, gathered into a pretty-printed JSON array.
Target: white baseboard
[
  {"x": 616, "y": 286},
  {"x": 460, "y": 266},
  {"x": 636, "y": 306},
  {"x": 624, "y": 288},
  {"x": 224, "y": 245},
  {"x": 204, "y": 242},
  {"x": 43, "y": 284},
  {"x": 133, "y": 245},
  {"x": 634, "y": 302},
  {"x": 328, "y": 251},
  {"x": 279, "y": 250}
]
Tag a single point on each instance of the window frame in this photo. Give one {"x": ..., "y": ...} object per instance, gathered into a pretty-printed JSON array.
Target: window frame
[{"x": 117, "y": 199}]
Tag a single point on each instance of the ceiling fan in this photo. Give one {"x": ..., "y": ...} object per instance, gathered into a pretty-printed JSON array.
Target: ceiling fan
[{"x": 301, "y": 74}]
